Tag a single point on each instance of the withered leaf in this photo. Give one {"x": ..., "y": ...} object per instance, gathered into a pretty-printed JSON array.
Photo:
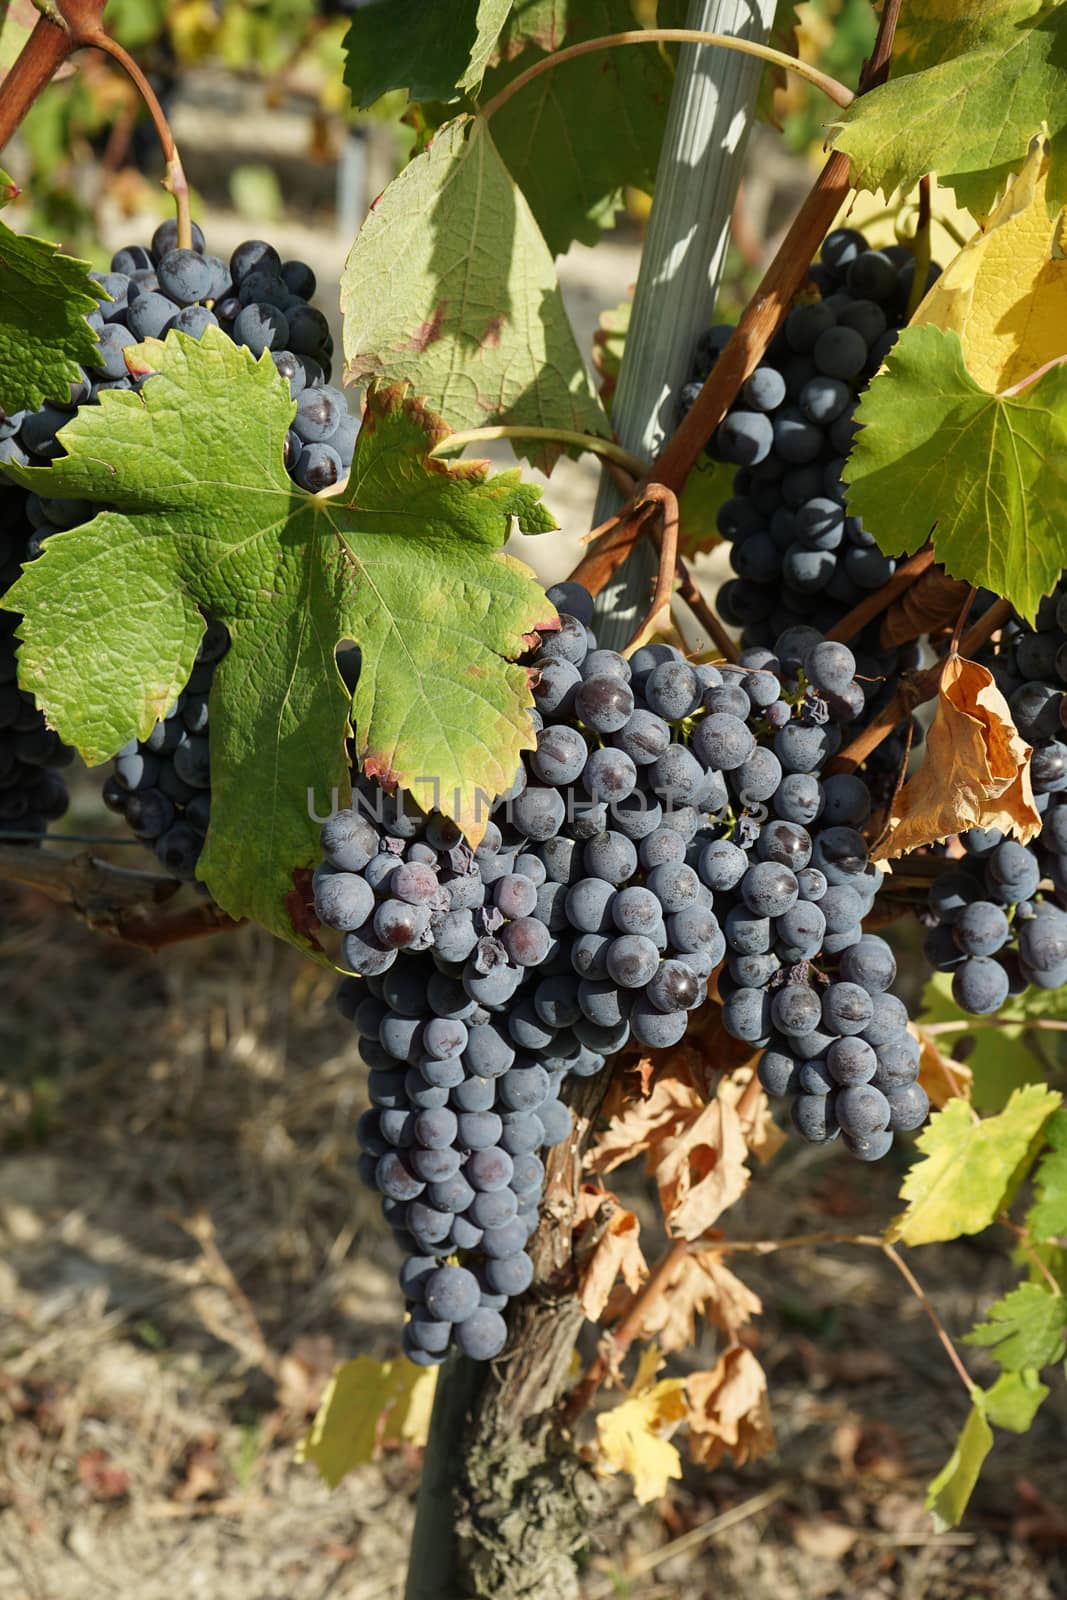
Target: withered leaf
[
  {"x": 617, "y": 1250},
  {"x": 976, "y": 769},
  {"x": 728, "y": 1411},
  {"x": 701, "y": 1283},
  {"x": 941, "y": 1077},
  {"x": 931, "y": 603}
]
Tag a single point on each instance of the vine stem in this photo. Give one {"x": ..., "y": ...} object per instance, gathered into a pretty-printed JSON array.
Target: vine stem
[
  {"x": 1049, "y": 1024},
  {"x": 705, "y": 613},
  {"x": 78, "y": 25},
  {"x": 882, "y": 598},
  {"x": 767, "y": 308},
  {"x": 1027, "y": 1246},
  {"x": 50, "y": 44},
  {"x": 616, "y": 1344},
  {"x": 922, "y": 688},
  {"x": 837, "y": 92},
  {"x": 122, "y": 901},
  {"x": 939, "y": 1328},
  {"x": 607, "y": 448},
  {"x": 175, "y": 181},
  {"x": 1031, "y": 377},
  {"x": 659, "y": 609}
]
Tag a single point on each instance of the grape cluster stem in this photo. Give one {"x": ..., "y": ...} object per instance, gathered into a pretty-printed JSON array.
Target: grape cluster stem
[{"x": 64, "y": 28}]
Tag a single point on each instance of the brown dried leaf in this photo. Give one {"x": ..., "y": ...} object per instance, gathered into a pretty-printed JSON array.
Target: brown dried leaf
[
  {"x": 727, "y": 1410},
  {"x": 618, "y": 1249},
  {"x": 671, "y": 1106},
  {"x": 700, "y": 1169},
  {"x": 701, "y": 1283},
  {"x": 976, "y": 773},
  {"x": 941, "y": 1077},
  {"x": 762, "y": 1134},
  {"x": 931, "y": 603}
]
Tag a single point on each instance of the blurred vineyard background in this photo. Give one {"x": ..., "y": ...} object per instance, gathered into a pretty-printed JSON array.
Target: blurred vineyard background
[{"x": 185, "y": 1250}]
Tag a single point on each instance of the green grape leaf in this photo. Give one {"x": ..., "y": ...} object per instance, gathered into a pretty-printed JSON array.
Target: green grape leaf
[
  {"x": 449, "y": 286},
  {"x": 429, "y": 49},
  {"x": 972, "y": 110},
  {"x": 1047, "y": 1217},
  {"x": 948, "y": 1496},
  {"x": 9, "y": 189},
  {"x": 968, "y": 1171},
  {"x": 1015, "y": 1399},
  {"x": 45, "y": 340},
  {"x": 406, "y": 562},
  {"x": 1027, "y": 1328},
  {"x": 575, "y": 137},
  {"x": 984, "y": 474},
  {"x": 996, "y": 1048}
]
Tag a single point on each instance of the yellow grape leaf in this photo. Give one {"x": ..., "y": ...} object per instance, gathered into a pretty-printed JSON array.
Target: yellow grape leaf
[
  {"x": 728, "y": 1410},
  {"x": 975, "y": 773},
  {"x": 968, "y": 1170},
  {"x": 633, "y": 1436},
  {"x": 941, "y": 1077},
  {"x": 894, "y": 221},
  {"x": 618, "y": 1250},
  {"x": 367, "y": 1404},
  {"x": 950, "y": 1491},
  {"x": 1005, "y": 294}
]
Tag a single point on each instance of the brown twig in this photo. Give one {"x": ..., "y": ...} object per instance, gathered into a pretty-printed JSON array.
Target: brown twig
[
  {"x": 48, "y": 46},
  {"x": 921, "y": 686},
  {"x": 124, "y": 902},
  {"x": 667, "y": 540},
  {"x": 882, "y": 598},
  {"x": 615, "y": 1345},
  {"x": 759, "y": 323},
  {"x": 923, "y": 248},
  {"x": 78, "y": 25},
  {"x": 704, "y": 612},
  {"x": 609, "y": 545},
  {"x": 920, "y": 1294}
]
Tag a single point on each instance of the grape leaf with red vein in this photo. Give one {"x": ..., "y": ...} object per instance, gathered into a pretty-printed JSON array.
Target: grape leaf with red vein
[{"x": 406, "y": 561}]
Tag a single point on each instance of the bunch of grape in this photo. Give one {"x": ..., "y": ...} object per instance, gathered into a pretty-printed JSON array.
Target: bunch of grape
[
  {"x": 32, "y": 794},
  {"x": 259, "y": 300},
  {"x": 802, "y": 980},
  {"x": 161, "y": 785},
  {"x": 465, "y": 1096},
  {"x": 1000, "y": 912},
  {"x": 797, "y": 552},
  {"x": 633, "y": 848}
]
